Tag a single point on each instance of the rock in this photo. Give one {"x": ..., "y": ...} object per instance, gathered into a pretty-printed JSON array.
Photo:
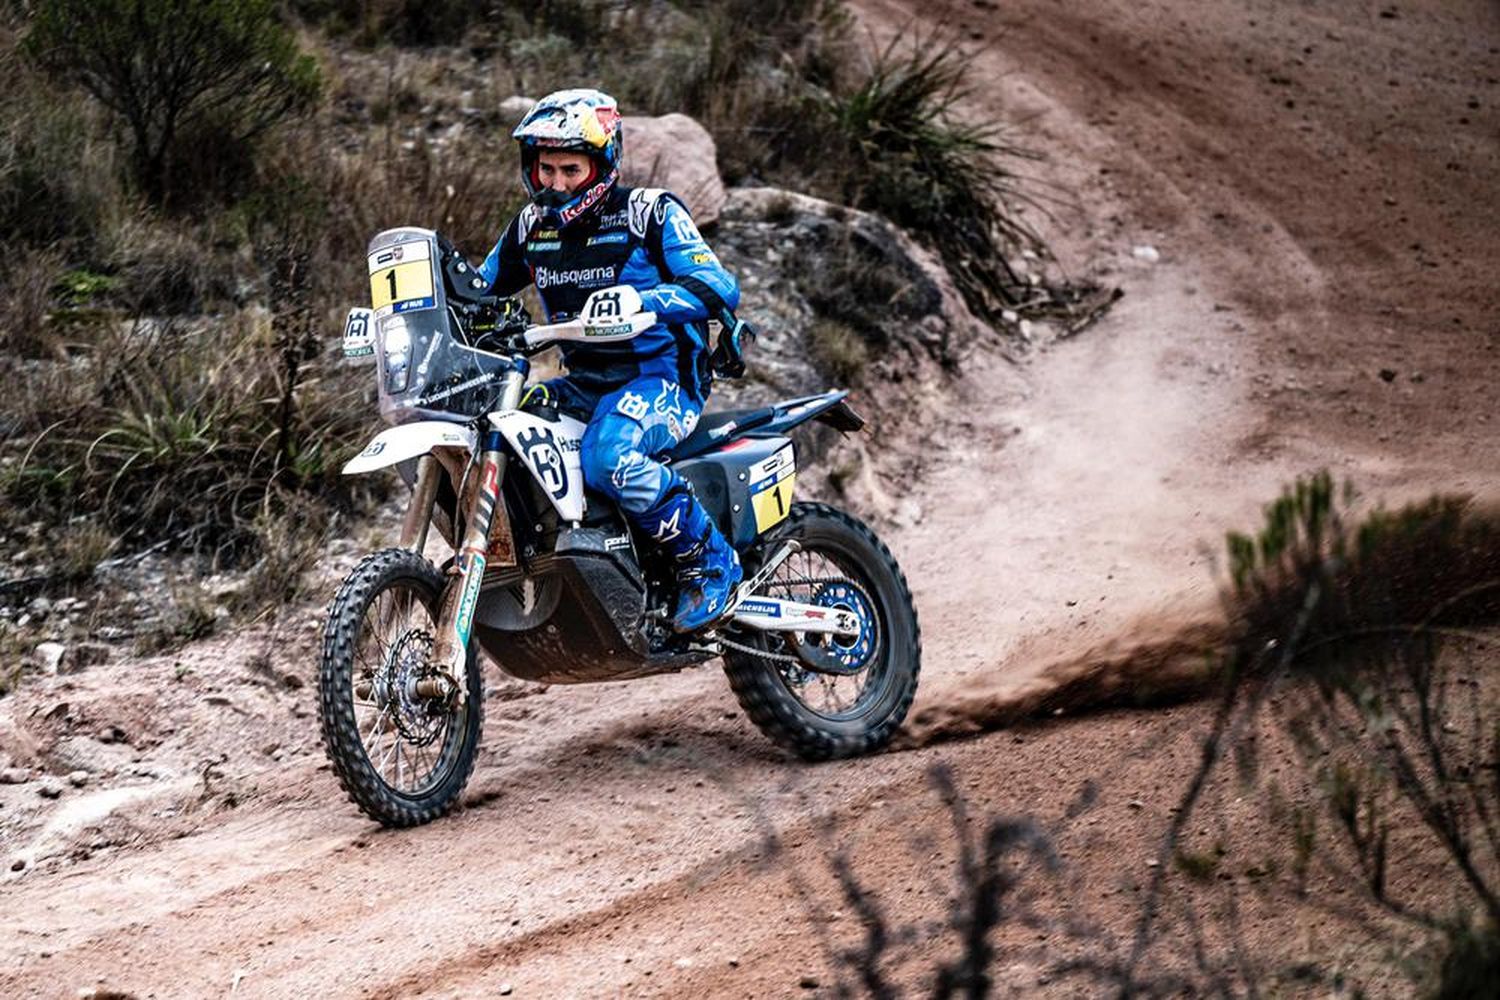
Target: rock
[
  {"x": 683, "y": 963},
  {"x": 83, "y": 655},
  {"x": 1136, "y": 804},
  {"x": 14, "y": 776},
  {"x": 506, "y": 989},
  {"x": 1386, "y": 375},
  {"x": 50, "y": 655},
  {"x": 18, "y": 865},
  {"x": 79, "y": 778},
  {"x": 808, "y": 982},
  {"x": 1146, "y": 252},
  {"x": 514, "y": 108},
  {"x": 40, "y": 605},
  {"x": 49, "y": 788},
  {"x": 676, "y": 153}
]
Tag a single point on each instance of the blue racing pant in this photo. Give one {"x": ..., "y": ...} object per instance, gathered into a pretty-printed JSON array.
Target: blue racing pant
[{"x": 628, "y": 430}]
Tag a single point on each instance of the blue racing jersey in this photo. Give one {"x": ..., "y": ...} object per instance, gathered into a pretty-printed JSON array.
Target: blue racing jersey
[{"x": 642, "y": 237}]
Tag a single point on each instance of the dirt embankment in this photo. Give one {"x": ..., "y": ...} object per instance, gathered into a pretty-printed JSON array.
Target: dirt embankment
[{"x": 1317, "y": 184}]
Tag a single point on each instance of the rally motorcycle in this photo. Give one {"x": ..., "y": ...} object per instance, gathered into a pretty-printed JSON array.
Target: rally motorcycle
[{"x": 820, "y": 642}]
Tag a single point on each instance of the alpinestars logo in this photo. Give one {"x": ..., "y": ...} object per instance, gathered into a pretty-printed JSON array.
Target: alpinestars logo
[{"x": 578, "y": 277}]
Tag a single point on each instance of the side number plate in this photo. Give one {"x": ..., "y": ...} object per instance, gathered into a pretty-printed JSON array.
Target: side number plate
[{"x": 772, "y": 481}]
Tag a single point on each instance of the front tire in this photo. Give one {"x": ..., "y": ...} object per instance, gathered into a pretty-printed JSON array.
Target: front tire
[
  {"x": 841, "y": 563},
  {"x": 404, "y": 761}
]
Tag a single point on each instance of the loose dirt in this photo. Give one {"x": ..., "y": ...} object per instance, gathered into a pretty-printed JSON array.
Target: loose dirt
[{"x": 1319, "y": 185}]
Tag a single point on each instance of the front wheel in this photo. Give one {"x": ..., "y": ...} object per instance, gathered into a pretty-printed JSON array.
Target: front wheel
[
  {"x": 403, "y": 759},
  {"x": 840, "y": 564}
]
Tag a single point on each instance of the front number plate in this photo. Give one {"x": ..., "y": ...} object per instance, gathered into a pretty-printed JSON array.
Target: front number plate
[{"x": 401, "y": 277}]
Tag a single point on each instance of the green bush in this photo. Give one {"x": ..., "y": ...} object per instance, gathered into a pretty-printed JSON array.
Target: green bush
[
  {"x": 893, "y": 141},
  {"x": 189, "y": 79},
  {"x": 187, "y": 433}
]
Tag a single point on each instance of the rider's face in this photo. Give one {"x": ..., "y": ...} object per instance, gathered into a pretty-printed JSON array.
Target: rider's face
[{"x": 564, "y": 173}]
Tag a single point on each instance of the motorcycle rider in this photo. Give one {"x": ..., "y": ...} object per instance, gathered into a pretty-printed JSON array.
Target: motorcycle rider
[{"x": 599, "y": 251}]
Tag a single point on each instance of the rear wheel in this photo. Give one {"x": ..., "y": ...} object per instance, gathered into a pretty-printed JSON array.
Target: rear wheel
[
  {"x": 403, "y": 759},
  {"x": 840, "y": 564}
]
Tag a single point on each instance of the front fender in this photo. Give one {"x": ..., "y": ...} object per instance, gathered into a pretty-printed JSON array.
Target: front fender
[{"x": 408, "y": 441}]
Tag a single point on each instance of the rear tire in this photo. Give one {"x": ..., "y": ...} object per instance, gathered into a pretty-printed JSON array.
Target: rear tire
[
  {"x": 774, "y": 694},
  {"x": 359, "y": 652}
]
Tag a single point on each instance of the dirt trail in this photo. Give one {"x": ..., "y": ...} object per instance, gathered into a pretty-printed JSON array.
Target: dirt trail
[{"x": 642, "y": 839}]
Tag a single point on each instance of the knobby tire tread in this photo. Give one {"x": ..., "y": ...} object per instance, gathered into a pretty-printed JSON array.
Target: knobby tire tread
[
  {"x": 776, "y": 712},
  {"x": 341, "y": 739}
]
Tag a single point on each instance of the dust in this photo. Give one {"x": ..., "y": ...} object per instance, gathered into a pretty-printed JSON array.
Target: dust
[{"x": 1154, "y": 661}]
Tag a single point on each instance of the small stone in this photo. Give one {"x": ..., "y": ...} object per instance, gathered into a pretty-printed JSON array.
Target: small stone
[
  {"x": 1136, "y": 804},
  {"x": 683, "y": 963},
  {"x": 1152, "y": 863},
  {"x": 79, "y": 778},
  {"x": 1387, "y": 374},
  {"x": 506, "y": 989},
  {"x": 18, "y": 865},
  {"x": 1146, "y": 252},
  {"x": 734, "y": 963},
  {"x": 50, "y": 655},
  {"x": 14, "y": 776},
  {"x": 808, "y": 982},
  {"x": 49, "y": 789}
]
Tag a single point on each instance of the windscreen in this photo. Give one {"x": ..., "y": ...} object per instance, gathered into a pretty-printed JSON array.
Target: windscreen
[{"x": 425, "y": 372}]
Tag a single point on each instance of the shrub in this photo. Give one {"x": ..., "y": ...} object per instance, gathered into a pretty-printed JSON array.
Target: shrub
[
  {"x": 58, "y": 180},
  {"x": 183, "y": 433},
  {"x": 29, "y": 277},
  {"x": 892, "y": 141},
  {"x": 177, "y": 73},
  {"x": 838, "y": 351},
  {"x": 404, "y": 22},
  {"x": 1371, "y": 647}
]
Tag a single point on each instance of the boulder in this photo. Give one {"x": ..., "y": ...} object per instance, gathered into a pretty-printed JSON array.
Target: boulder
[
  {"x": 856, "y": 266},
  {"x": 675, "y": 152},
  {"x": 50, "y": 656},
  {"x": 58, "y": 658},
  {"x": 513, "y": 109}
]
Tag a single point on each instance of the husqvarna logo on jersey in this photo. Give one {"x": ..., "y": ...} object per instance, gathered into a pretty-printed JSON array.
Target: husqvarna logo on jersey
[
  {"x": 579, "y": 277},
  {"x": 542, "y": 454}
]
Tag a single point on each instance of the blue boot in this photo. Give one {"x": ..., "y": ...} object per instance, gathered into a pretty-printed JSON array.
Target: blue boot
[
  {"x": 706, "y": 583},
  {"x": 709, "y": 567}
]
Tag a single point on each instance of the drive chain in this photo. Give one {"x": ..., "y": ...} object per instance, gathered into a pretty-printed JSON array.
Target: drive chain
[{"x": 740, "y": 647}]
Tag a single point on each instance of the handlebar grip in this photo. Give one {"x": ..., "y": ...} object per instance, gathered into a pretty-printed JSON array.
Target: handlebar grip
[{"x": 735, "y": 336}]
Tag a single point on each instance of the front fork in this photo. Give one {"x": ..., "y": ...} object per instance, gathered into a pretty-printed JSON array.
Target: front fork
[{"x": 461, "y": 596}]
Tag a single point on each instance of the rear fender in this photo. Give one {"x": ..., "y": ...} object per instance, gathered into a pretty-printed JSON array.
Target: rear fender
[{"x": 397, "y": 444}]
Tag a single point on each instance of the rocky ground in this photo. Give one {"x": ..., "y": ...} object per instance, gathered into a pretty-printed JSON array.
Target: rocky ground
[{"x": 1299, "y": 203}]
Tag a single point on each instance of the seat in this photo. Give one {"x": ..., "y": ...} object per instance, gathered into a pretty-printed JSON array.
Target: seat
[{"x": 720, "y": 427}]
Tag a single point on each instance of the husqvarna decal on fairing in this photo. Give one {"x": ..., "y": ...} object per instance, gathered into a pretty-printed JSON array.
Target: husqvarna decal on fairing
[
  {"x": 401, "y": 278},
  {"x": 772, "y": 481},
  {"x": 550, "y": 452}
]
